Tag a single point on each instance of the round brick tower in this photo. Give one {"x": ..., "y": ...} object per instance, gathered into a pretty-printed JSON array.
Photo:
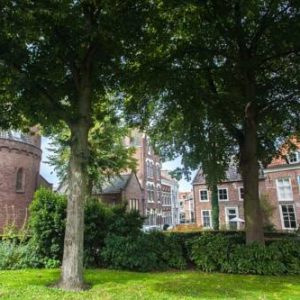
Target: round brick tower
[{"x": 20, "y": 157}]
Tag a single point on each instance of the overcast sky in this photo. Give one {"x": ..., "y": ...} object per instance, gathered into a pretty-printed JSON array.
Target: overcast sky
[{"x": 48, "y": 172}]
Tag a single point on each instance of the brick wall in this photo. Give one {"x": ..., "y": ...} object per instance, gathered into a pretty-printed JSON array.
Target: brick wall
[
  {"x": 13, "y": 156},
  {"x": 133, "y": 190},
  {"x": 267, "y": 189}
]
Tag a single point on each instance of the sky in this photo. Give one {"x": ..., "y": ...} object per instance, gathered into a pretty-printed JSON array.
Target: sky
[{"x": 49, "y": 174}]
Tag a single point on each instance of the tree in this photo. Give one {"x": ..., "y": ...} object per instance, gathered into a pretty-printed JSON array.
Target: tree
[
  {"x": 108, "y": 154},
  {"x": 59, "y": 61},
  {"x": 235, "y": 63}
]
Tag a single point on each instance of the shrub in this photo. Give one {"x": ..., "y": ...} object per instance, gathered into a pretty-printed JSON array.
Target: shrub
[
  {"x": 47, "y": 224},
  {"x": 15, "y": 255},
  {"x": 210, "y": 252},
  {"x": 230, "y": 254},
  {"x": 143, "y": 252},
  {"x": 97, "y": 221}
]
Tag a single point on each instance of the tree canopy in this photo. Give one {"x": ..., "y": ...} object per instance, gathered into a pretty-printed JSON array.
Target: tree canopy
[
  {"x": 58, "y": 61},
  {"x": 234, "y": 64}
]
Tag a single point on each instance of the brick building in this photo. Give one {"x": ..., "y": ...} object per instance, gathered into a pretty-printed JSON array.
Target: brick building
[
  {"x": 20, "y": 157},
  {"x": 149, "y": 176},
  {"x": 123, "y": 188},
  {"x": 279, "y": 187},
  {"x": 169, "y": 199}
]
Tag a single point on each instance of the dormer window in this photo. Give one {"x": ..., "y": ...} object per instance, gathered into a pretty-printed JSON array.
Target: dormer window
[
  {"x": 294, "y": 157},
  {"x": 20, "y": 179}
]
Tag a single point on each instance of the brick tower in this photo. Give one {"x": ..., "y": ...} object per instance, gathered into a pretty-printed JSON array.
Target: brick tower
[{"x": 20, "y": 157}]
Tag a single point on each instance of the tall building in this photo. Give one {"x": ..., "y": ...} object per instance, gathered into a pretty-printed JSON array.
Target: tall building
[
  {"x": 279, "y": 189},
  {"x": 20, "y": 157},
  {"x": 149, "y": 176},
  {"x": 170, "y": 199}
]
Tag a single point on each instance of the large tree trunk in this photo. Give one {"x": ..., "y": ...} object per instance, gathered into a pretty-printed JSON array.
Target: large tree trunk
[
  {"x": 250, "y": 174},
  {"x": 215, "y": 207},
  {"x": 72, "y": 266}
]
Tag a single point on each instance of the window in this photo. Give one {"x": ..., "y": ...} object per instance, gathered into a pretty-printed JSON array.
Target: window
[
  {"x": 288, "y": 216},
  {"x": 294, "y": 157},
  {"x": 298, "y": 181},
  {"x": 157, "y": 172},
  {"x": 241, "y": 193},
  {"x": 223, "y": 194},
  {"x": 150, "y": 169},
  {"x": 151, "y": 217},
  {"x": 231, "y": 214},
  {"x": 150, "y": 193},
  {"x": 284, "y": 189},
  {"x": 158, "y": 194},
  {"x": 203, "y": 195},
  {"x": 134, "y": 204},
  {"x": 206, "y": 218},
  {"x": 20, "y": 180}
]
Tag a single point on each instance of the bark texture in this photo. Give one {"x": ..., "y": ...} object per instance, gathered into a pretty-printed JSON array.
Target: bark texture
[
  {"x": 250, "y": 173},
  {"x": 215, "y": 207},
  {"x": 72, "y": 266}
]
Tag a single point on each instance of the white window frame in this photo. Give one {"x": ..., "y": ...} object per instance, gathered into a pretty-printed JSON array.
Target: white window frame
[
  {"x": 277, "y": 189},
  {"x": 202, "y": 219},
  {"x": 240, "y": 198},
  {"x": 281, "y": 217},
  {"x": 134, "y": 204},
  {"x": 226, "y": 192},
  {"x": 298, "y": 182},
  {"x": 227, "y": 218},
  {"x": 297, "y": 154},
  {"x": 203, "y": 190}
]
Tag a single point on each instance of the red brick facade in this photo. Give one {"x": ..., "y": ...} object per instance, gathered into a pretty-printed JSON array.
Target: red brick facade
[
  {"x": 131, "y": 192},
  {"x": 149, "y": 175},
  {"x": 20, "y": 158},
  {"x": 279, "y": 186}
]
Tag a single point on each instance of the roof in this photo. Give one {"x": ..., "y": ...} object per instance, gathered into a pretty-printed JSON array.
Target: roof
[
  {"x": 115, "y": 184},
  {"x": 232, "y": 174}
]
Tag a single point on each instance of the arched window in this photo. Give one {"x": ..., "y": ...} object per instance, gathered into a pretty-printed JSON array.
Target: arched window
[{"x": 20, "y": 180}]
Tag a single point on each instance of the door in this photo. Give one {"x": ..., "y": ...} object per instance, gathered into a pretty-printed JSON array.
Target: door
[{"x": 231, "y": 213}]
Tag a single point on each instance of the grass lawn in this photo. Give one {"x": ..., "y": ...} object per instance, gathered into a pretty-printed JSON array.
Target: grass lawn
[{"x": 107, "y": 284}]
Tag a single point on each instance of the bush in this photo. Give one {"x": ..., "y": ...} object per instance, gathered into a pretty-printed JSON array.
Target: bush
[
  {"x": 14, "y": 255},
  {"x": 47, "y": 227},
  {"x": 143, "y": 252},
  {"x": 229, "y": 254},
  {"x": 47, "y": 224}
]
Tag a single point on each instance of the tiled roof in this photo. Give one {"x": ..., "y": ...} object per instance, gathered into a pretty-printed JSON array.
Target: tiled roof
[
  {"x": 115, "y": 184},
  {"x": 232, "y": 174}
]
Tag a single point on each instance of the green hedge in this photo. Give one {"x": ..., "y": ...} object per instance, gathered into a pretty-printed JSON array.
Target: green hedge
[
  {"x": 227, "y": 254},
  {"x": 43, "y": 245},
  {"x": 143, "y": 252},
  {"x": 113, "y": 239}
]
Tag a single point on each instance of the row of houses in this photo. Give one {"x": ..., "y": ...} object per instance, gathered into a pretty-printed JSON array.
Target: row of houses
[
  {"x": 151, "y": 190},
  {"x": 279, "y": 189}
]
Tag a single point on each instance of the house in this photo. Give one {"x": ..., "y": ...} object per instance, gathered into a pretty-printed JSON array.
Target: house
[
  {"x": 279, "y": 189},
  {"x": 149, "y": 176},
  {"x": 120, "y": 189}
]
